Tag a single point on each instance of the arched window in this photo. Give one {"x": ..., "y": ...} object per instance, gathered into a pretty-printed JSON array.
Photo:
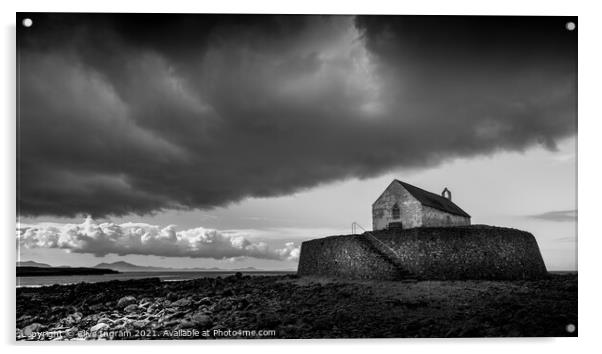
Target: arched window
[{"x": 395, "y": 211}]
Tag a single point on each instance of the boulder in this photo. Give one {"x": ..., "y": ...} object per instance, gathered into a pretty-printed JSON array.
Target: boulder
[{"x": 125, "y": 301}]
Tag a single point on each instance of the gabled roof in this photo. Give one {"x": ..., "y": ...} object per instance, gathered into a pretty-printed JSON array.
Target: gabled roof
[{"x": 433, "y": 200}]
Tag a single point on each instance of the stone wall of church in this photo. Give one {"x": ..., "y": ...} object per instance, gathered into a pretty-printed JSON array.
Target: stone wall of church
[
  {"x": 411, "y": 209},
  {"x": 432, "y": 217}
]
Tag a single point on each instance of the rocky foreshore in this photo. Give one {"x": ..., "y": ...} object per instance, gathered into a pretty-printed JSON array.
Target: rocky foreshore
[{"x": 290, "y": 307}]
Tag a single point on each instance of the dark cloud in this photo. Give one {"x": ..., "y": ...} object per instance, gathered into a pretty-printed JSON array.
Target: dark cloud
[
  {"x": 132, "y": 113},
  {"x": 557, "y": 215}
]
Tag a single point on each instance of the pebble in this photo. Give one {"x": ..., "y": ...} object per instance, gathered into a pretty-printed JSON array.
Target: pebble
[
  {"x": 105, "y": 320},
  {"x": 201, "y": 319},
  {"x": 182, "y": 303},
  {"x": 34, "y": 327},
  {"x": 72, "y": 319},
  {"x": 126, "y": 301},
  {"x": 99, "y": 327},
  {"x": 131, "y": 308},
  {"x": 205, "y": 301},
  {"x": 139, "y": 324}
]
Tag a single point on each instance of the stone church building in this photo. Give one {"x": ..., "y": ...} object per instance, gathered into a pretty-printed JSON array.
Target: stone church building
[{"x": 403, "y": 205}]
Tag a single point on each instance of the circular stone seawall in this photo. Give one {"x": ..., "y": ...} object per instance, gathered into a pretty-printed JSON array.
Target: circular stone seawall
[{"x": 438, "y": 253}]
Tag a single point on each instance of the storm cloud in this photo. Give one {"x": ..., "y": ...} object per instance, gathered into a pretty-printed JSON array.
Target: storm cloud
[{"x": 126, "y": 113}]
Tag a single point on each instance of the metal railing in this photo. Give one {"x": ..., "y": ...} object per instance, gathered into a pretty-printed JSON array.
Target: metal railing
[{"x": 355, "y": 226}]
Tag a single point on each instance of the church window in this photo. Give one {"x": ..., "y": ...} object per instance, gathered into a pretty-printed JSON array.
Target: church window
[{"x": 395, "y": 211}]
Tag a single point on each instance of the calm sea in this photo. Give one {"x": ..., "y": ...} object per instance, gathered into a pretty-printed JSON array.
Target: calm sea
[{"x": 165, "y": 276}]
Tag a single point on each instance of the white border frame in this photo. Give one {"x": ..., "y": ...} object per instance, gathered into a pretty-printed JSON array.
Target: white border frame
[{"x": 590, "y": 77}]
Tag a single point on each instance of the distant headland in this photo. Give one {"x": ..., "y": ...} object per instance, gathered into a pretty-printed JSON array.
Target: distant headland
[
  {"x": 24, "y": 271},
  {"x": 32, "y": 268}
]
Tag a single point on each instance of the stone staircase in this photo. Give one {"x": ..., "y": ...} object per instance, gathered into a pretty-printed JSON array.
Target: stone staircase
[{"x": 387, "y": 253}]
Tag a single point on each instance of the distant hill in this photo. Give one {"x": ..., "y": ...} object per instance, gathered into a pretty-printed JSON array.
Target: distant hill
[
  {"x": 122, "y": 266},
  {"x": 127, "y": 267},
  {"x": 33, "y": 264},
  {"x": 56, "y": 271}
]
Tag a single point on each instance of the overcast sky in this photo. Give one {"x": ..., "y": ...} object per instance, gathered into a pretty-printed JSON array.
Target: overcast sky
[{"x": 205, "y": 140}]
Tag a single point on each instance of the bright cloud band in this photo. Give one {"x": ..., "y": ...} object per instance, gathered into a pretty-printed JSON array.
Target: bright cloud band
[{"x": 101, "y": 239}]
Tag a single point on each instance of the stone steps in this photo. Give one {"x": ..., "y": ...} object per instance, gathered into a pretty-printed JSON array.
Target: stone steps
[{"x": 386, "y": 253}]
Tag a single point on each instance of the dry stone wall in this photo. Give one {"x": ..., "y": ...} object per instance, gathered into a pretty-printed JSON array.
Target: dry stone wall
[{"x": 438, "y": 253}]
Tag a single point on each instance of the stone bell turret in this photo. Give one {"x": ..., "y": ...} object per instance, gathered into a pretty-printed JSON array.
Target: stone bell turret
[{"x": 446, "y": 194}]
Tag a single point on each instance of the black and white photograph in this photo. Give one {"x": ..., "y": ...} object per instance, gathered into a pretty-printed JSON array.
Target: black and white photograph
[{"x": 206, "y": 176}]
